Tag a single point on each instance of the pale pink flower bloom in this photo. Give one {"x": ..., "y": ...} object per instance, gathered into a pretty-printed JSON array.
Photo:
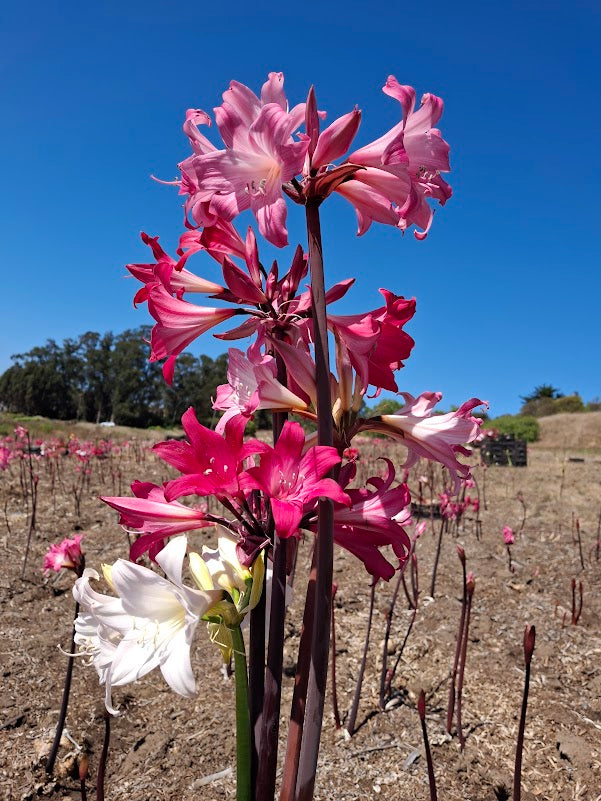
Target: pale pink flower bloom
[
  {"x": 252, "y": 385},
  {"x": 260, "y": 155},
  {"x": 6, "y": 456},
  {"x": 437, "y": 437},
  {"x": 402, "y": 167},
  {"x": 66, "y": 555},
  {"x": 508, "y": 535}
]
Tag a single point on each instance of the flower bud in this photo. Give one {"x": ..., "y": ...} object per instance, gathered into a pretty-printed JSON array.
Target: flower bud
[
  {"x": 529, "y": 639},
  {"x": 421, "y": 705}
]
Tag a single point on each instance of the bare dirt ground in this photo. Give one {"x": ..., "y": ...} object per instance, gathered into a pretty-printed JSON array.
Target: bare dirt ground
[{"x": 164, "y": 746}]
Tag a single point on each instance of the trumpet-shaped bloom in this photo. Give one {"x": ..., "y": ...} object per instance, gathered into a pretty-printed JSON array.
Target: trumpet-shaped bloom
[
  {"x": 290, "y": 479},
  {"x": 179, "y": 322},
  {"x": 67, "y": 554},
  {"x": 151, "y": 513},
  {"x": 252, "y": 385},
  {"x": 402, "y": 167},
  {"x": 210, "y": 462},
  {"x": 439, "y": 437},
  {"x": 150, "y": 624},
  {"x": 260, "y": 155},
  {"x": 374, "y": 520}
]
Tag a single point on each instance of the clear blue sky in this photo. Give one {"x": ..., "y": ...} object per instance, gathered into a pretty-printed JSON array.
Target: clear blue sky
[{"x": 508, "y": 282}]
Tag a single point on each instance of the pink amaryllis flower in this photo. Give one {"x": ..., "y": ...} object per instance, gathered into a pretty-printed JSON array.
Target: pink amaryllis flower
[
  {"x": 439, "y": 437},
  {"x": 252, "y": 384},
  {"x": 291, "y": 480},
  {"x": 178, "y": 323},
  {"x": 374, "y": 520},
  {"x": 260, "y": 155},
  {"x": 150, "y": 513},
  {"x": 402, "y": 168},
  {"x": 508, "y": 535},
  {"x": 66, "y": 555},
  {"x": 210, "y": 462},
  {"x": 168, "y": 272}
]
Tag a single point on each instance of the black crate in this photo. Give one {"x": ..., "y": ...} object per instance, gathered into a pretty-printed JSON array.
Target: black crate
[{"x": 504, "y": 450}]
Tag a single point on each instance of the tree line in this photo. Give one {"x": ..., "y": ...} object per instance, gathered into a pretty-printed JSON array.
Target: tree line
[{"x": 98, "y": 377}]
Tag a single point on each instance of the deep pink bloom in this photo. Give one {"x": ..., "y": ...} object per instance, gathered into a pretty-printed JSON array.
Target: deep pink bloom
[
  {"x": 6, "y": 456},
  {"x": 260, "y": 155},
  {"x": 152, "y": 514},
  {"x": 375, "y": 340},
  {"x": 438, "y": 437},
  {"x": 210, "y": 462},
  {"x": 179, "y": 322},
  {"x": 171, "y": 274},
  {"x": 67, "y": 554},
  {"x": 374, "y": 520},
  {"x": 508, "y": 535},
  {"x": 291, "y": 480}
]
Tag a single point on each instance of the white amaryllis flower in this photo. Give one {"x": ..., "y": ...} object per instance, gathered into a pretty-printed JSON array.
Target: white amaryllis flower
[
  {"x": 150, "y": 624},
  {"x": 220, "y": 567}
]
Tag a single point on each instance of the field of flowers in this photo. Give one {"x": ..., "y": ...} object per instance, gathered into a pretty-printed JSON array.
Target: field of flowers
[{"x": 530, "y": 537}]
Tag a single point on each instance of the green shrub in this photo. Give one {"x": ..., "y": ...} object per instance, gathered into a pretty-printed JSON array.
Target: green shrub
[
  {"x": 520, "y": 425},
  {"x": 569, "y": 403}
]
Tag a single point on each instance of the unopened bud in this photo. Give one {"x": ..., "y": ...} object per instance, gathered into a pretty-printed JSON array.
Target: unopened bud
[
  {"x": 83, "y": 768},
  {"x": 529, "y": 639},
  {"x": 470, "y": 583},
  {"x": 461, "y": 554},
  {"x": 421, "y": 705}
]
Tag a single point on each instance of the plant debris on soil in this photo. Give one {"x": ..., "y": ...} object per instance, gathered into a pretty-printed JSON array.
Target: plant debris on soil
[{"x": 167, "y": 747}]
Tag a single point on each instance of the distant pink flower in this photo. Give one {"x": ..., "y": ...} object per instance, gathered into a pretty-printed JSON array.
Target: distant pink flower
[
  {"x": 6, "y": 456},
  {"x": 21, "y": 432},
  {"x": 508, "y": 535},
  {"x": 437, "y": 437},
  {"x": 67, "y": 554},
  {"x": 290, "y": 479},
  {"x": 260, "y": 155}
]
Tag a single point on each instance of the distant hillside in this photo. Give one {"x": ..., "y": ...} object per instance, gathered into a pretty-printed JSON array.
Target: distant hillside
[{"x": 573, "y": 431}]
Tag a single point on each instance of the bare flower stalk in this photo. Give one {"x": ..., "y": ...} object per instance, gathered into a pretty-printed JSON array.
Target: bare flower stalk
[
  {"x": 529, "y": 641},
  {"x": 100, "y": 776},
  {"x": 421, "y": 709},
  {"x": 352, "y": 718},
  {"x": 335, "y": 709},
  {"x": 458, "y": 645},
  {"x": 469, "y": 586}
]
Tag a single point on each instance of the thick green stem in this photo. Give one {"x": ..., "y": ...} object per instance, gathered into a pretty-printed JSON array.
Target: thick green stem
[{"x": 243, "y": 750}]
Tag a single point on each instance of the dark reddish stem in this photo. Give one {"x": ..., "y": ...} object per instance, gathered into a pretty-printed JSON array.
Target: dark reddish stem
[
  {"x": 529, "y": 641},
  {"x": 299, "y": 696},
  {"x": 269, "y": 726},
  {"x": 421, "y": 709},
  {"x": 103, "y": 757},
  {"x": 352, "y": 718},
  {"x": 320, "y": 644},
  {"x": 470, "y": 585},
  {"x": 443, "y": 525},
  {"x": 335, "y": 709},
  {"x": 256, "y": 674},
  {"x": 453, "y": 684}
]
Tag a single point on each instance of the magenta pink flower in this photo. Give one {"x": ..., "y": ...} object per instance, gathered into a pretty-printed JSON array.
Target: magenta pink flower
[
  {"x": 291, "y": 480},
  {"x": 437, "y": 437},
  {"x": 508, "y": 535},
  {"x": 260, "y": 155},
  {"x": 66, "y": 555},
  {"x": 157, "y": 518},
  {"x": 171, "y": 274},
  {"x": 210, "y": 463},
  {"x": 178, "y": 322},
  {"x": 374, "y": 520}
]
